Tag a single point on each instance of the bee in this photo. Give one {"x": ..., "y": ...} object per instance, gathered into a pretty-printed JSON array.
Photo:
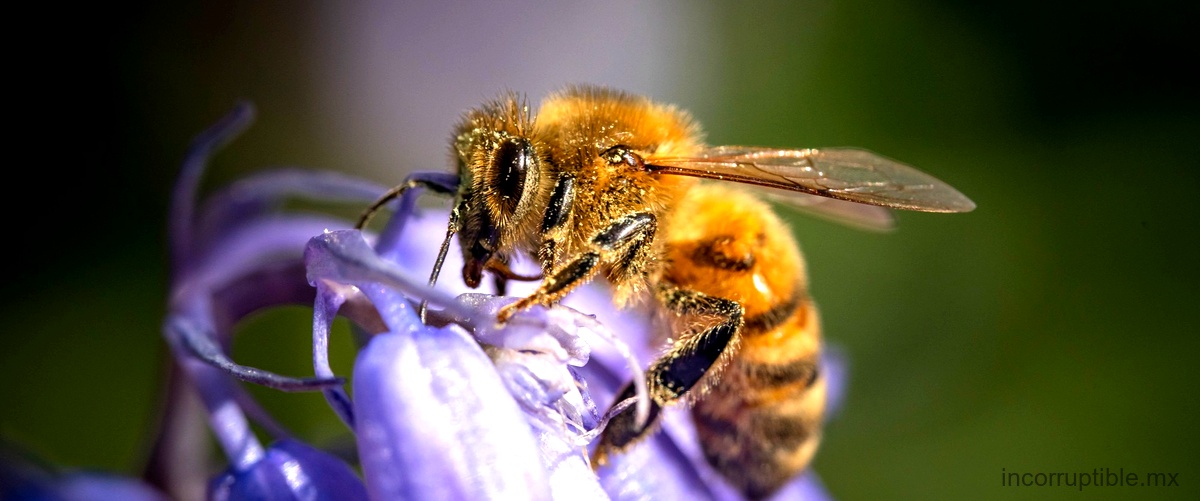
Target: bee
[{"x": 606, "y": 183}]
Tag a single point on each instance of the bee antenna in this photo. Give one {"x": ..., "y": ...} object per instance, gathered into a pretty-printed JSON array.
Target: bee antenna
[{"x": 451, "y": 229}]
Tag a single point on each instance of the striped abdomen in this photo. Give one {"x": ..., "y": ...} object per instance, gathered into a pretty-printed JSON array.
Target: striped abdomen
[{"x": 761, "y": 424}]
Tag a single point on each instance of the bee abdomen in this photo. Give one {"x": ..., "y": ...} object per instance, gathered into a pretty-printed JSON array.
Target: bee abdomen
[
  {"x": 761, "y": 425},
  {"x": 760, "y": 445},
  {"x": 768, "y": 377}
]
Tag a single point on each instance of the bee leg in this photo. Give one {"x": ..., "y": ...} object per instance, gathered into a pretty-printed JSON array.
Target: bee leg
[
  {"x": 501, "y": 284},
  {"x": 691, "y": 358},
  {"x": 674, "y": 374},
  {"x": 555, "y": 221},
  {"x": 629, "y": 233},
  {"x": 632, "y": 264}
]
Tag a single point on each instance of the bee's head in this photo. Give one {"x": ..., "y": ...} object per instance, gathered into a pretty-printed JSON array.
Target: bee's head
[{"x": 499, "y": 170}]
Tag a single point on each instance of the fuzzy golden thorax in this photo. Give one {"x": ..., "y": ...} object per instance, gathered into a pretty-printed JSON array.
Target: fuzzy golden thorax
[
  {"x": 580, "y": 124},
  {"x": 509, "y": 164}
]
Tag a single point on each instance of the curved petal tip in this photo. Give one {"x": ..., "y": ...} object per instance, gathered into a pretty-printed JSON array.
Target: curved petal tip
[{"x": 290, "y": 471}]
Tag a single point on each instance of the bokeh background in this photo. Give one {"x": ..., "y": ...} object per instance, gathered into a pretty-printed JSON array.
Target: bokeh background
[{"x": 1050, "y": 330}]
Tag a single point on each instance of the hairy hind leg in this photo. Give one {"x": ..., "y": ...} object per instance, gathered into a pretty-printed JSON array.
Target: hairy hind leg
[{"x": 678, "y": 371}]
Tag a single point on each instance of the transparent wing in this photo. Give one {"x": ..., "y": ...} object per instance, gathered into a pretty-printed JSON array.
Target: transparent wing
[
  {"x": 855, "y": 215},
  {"x": 848, "y": 174}
]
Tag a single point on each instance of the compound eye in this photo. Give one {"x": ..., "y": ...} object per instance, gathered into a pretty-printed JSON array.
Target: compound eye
[{"x": 510, "y": 164}]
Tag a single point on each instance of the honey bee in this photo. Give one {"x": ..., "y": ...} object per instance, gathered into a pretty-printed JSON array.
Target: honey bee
[{"x": 605, "y": 182}]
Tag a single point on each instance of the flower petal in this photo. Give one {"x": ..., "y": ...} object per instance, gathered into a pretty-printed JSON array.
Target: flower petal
[
  {"x": 807, "y": 487},
  {"x": 345, "y": 257},
  {"x": 290, "y": 470},
  {"x": 95, "y": 486},
  {"x": 553, "y": 398},
  {"x": 435, "y": 422},
  {"x": 835, "y": 364},
  {"x": 183, "y": 197},
  {"x": 554, "y": 331},
  {"x": 25, "y": 478},
  {"x": 262, "y": 192}
]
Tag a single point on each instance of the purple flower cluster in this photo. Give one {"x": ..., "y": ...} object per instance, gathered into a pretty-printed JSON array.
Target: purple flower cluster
[{"x": 455, "y": 407}]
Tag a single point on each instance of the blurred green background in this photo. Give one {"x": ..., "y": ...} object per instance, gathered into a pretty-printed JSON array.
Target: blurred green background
[{"x": 1044, "y": 332}]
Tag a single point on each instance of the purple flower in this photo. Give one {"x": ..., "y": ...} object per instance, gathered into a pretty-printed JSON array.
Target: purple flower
[
  {"x": 455, "y": 407},
  {"x": 230, "y": 259}
]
